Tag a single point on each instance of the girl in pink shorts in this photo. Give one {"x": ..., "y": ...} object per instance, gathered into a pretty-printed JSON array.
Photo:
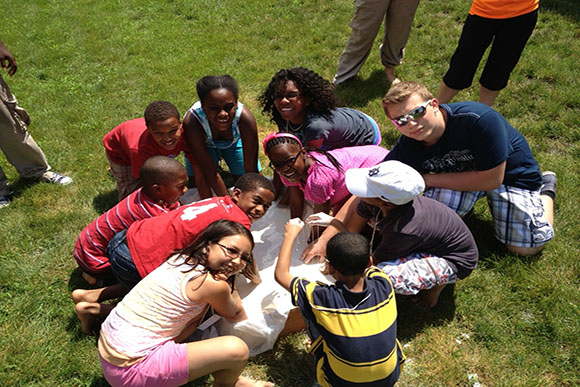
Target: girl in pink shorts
[{"x": 141, "y": 342}]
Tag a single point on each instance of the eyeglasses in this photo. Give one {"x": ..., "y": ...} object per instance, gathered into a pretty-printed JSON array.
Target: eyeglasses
[
  {"x": 412, "y": 115},
  {"x": 282, "y": 164},
  {"x": 288, "y": 96},
  {"x": 235, "y": 254}
]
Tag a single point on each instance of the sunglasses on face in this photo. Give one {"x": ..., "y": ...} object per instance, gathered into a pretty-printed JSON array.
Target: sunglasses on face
[
  {"x": 288, "y": 96},
  {"x": 414, "y": 115},
  {"x": 282, "y": 164},
  {"x": 232, "y": 253}
]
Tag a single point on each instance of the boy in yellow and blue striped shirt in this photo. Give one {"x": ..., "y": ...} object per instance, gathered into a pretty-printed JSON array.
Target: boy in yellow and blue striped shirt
[{"x": 352, "y": 323}]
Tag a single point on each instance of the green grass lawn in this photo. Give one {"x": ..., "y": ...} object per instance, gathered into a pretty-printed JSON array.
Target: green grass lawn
[{"x": 86, "y": 65}]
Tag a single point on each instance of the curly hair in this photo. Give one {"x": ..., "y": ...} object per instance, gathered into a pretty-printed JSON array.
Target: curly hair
[
  {"x": 159, "y": 111},
  {"x": 318, "y": 90}
]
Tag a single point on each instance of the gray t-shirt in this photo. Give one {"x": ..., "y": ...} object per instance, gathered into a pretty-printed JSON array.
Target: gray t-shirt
[{"x": 423, "y": 226}]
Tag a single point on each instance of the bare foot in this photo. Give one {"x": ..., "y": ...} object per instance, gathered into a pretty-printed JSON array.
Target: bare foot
[
  {"x": 90, "y": 279},
  {"x": 427, "y": 299},
  {"x": 247, "y": 382},
  {"x": 87, "y": 316},
  {"x": 391, "y": 77}
]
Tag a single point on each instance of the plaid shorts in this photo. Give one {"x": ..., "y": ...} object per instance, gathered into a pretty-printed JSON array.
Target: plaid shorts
[
  {"x": 417, "y": 272},
  {"x": 126, "y": 183},
  {"x": 518, "y": 214}
]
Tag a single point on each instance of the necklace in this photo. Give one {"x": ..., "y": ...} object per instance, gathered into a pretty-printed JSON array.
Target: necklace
[
  {"x": 374, "y": 231},
  {"x": 289, "y": 127}
]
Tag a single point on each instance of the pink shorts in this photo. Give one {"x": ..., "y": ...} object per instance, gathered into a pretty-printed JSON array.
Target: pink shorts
[{"x": 166, "y": 365}]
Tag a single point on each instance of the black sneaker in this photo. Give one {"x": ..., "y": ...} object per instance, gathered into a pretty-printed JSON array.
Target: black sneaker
[
  {"x": 4, "y": 201},
  {"x": 548, "y": 187}
]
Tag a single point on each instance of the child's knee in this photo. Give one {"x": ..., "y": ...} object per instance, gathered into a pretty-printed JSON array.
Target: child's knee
[
  {"x": 237, "y": 349},
  {"x": 525, "y": 251}
]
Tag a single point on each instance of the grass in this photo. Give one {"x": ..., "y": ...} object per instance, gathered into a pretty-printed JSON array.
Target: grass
[{"x": 85, "y": 66}]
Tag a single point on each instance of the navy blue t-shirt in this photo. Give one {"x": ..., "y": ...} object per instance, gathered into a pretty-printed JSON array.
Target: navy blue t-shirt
[{"x": 476, "y": 138}]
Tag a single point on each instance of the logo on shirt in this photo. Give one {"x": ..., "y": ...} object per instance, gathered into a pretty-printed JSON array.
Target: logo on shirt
[{"x": 453, "y": 161}]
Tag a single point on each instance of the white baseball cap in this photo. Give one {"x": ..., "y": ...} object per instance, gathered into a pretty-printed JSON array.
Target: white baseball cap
[{"x": 390, "y": 180}]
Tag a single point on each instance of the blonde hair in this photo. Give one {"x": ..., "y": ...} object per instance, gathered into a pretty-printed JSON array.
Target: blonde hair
[{"x": 403, "y": 90}]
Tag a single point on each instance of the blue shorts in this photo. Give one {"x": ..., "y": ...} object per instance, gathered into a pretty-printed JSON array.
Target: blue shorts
[
  {"x": 232, "y": 155},
  {"x": 518, "y": 214},
  {"x": 122, "y": 264}
]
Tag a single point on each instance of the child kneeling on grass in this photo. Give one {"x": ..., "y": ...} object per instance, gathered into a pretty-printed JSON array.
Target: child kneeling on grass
[
  {"x": 137, "y": 251},
  {"x": 163, "y": 180},
  {"x": 141, "y": 342},
  {"x": 424, "y": 245},
  {"x": 353, "y": 323},
  {"x": 158, "y": 133}
]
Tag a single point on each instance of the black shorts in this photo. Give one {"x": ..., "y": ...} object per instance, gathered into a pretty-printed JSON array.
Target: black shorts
[{"x": 509, "y": 38}]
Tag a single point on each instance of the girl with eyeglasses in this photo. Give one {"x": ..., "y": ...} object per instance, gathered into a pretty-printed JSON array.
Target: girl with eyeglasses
[
  {"x": 303, "y": 103},
  {"x": 142, "y": 340},
  {"x": 315, "y": 174},
  {"x": 217, "y": 127}
]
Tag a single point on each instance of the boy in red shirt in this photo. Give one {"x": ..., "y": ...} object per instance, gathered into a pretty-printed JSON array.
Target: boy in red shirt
[
  {"x": 163, "y": 181},
  {"x": 131, "y": 143},
  {"x": 136, "y": 252}
]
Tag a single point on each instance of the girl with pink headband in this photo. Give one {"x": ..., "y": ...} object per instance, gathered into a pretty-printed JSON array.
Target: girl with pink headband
[{"x": 315, "y": 174}]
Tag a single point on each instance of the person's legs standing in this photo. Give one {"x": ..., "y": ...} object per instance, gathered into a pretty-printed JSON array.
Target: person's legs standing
[
  {"x": 398, "y": 23},
  {"x": 365, "y": 25}
]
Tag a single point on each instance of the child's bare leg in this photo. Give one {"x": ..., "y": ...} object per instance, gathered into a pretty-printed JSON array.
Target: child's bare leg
[
  {"x": 224, "y": 357},
  {"x": 87, "y": 313},
  {"x": 427, "y": 299},
  {"x": 89, "y": 278},
  {"x": 98, "y": 295}
]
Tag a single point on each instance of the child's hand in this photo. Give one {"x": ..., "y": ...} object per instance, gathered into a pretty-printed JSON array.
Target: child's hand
[
  {"x": 319, "y": 219},
  {"x": 294, "y": 226}
]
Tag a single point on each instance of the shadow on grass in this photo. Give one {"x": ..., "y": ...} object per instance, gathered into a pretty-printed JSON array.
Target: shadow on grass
[
  {"x": 357, "y": 92},
  {"x": 411, "y": 319},
  {"x": 563, "y": 7},
  {"x": 288, "y": 363},
  {"x": 105, "y": 201}
]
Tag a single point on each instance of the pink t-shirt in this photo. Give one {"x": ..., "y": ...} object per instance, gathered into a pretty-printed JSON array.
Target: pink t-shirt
[
  {"x": 91, "y": 245},
  {"x": 325, "y": 182},
  {"x": 151, "y": 241},
  {"x": 130, "y": 144}
]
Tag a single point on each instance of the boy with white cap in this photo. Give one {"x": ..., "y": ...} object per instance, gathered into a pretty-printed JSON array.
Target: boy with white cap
[{"x": 423, "y": 245}]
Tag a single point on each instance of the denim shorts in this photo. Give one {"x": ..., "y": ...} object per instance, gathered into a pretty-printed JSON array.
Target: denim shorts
[{"x": 122, "y": 264}]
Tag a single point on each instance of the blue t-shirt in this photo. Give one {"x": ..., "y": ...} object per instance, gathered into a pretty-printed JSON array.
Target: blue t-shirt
[{"x": 476, "y": 138}]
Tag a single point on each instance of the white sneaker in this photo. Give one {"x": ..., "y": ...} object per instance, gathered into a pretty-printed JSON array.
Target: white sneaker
[
  {"x": 4, "y": 201},
  {"x": 55, "y": 178}
]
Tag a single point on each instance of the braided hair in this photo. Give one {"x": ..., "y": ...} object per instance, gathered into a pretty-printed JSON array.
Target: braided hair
[{"x": 274, "y": 139}]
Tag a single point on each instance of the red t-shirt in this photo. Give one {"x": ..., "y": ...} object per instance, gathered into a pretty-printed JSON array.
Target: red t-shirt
[
  {"x": 91, "y": 245},
  {"x": 151, "y": 241},
  {"x": 130, "y": 144}
]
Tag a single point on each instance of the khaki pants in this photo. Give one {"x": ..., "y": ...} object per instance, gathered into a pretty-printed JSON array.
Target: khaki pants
[
  {"x": 18, "y": 146},
  {"x": 365, "y": 24}
]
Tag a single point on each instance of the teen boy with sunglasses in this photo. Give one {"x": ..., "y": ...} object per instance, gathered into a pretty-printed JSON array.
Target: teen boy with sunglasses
[{"x": 467, "y": 150}]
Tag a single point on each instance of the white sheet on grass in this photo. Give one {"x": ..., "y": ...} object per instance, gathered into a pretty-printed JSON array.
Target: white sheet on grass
[{"x": 267, "y": 304}]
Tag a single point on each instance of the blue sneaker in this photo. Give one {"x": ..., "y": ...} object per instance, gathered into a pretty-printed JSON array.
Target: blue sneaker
[{"x": 55, "y": 178}]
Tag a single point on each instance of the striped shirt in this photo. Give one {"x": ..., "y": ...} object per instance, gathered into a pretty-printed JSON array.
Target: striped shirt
[
  {"x": 91, "y": 245},
  {"x": 354, "y": 334}
]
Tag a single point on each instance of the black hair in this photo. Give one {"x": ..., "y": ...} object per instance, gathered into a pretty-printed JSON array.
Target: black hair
[
  {"x": 197, "y": 253},
  {"x": 318, "y": 90},
  {"x": 289, "y": 140},
  {"x": 348, "y": 253},
  {"x": 159, "y": 170},
  {"x": 159, "y": 111},
  {"x": 253, "y": 181},
  {"x": 212, "y": 82}
]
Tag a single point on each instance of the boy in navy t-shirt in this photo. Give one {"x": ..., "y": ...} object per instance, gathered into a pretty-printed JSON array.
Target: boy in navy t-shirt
[{"x": 467, "y": 150}]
